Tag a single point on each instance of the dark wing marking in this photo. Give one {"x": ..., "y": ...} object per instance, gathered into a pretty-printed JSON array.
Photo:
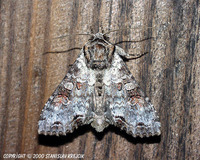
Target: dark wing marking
[
  {"x": 130, "y": 109},
  {"x": 68, "y": 106}
]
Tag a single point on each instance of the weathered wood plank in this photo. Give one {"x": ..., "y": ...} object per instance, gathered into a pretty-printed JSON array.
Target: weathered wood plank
[{"x": 169, "y": 74}]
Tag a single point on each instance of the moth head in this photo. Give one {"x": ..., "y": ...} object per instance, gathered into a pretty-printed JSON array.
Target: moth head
[
  {"x": 98, "y": 52},
  {"x": 98, "y": 36}
]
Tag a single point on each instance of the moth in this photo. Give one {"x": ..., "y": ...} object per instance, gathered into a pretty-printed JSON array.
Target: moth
[{"x": 99, "y": 90}]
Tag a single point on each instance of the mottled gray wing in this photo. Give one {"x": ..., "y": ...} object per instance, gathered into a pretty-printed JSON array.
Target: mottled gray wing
[
  {"x": 68, "y": 106},
  {"x": 129, "y": 107}
]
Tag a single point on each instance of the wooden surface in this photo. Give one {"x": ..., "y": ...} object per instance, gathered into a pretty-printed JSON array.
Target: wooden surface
[{"x": 169, "y": 74}]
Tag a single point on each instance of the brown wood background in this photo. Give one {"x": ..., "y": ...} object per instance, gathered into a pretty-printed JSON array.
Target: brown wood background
[{"x": 169, "y": 74}]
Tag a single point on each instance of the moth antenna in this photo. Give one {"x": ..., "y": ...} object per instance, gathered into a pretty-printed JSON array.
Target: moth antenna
[
  {"x": 136, "y": 56},
  {"x": 121, "y": 30},
  {"x": 88, "y": 34},
  {"x": 61, "y": 51},
  {"x": 134, "y": 41},
  {"x": 83, "y": 34}
]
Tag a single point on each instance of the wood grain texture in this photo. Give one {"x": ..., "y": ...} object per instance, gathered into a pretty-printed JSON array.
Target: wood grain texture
[{"x": 169, "y": 74}]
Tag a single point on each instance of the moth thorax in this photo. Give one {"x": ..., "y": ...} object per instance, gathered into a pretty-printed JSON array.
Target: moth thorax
[{"x": 99, "y": 52}]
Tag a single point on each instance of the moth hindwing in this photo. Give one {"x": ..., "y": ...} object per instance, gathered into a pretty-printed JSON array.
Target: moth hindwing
[{"x": 99, "y": 90}]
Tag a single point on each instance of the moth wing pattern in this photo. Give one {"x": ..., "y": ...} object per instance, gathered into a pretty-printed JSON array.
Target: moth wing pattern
[
  {"x": 99, "y": 90},
  {"x": 68, "y": 106},
  {"x": 130, "y": 109}
]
